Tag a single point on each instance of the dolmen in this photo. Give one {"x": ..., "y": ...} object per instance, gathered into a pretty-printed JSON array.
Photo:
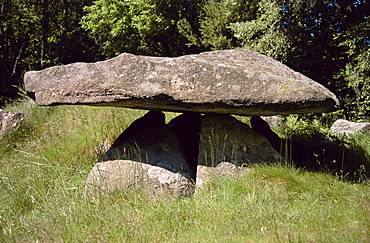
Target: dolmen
[{"x": 207, "y": 88}]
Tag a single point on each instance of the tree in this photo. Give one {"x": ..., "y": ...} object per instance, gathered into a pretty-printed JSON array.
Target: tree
[
  {"x": 325, "y": 40},
  {"x": 212, "y": 31},
  {"x": 324, "y": 48},
  {"x": 356, "y": 72},
  {"x": 138, "y": 26},
  {"x": 164, "y": 27},
  {"x": 35, "y": 34},
  {"x": 266, "y": 32},
  {"x": 12, "y": 43}
]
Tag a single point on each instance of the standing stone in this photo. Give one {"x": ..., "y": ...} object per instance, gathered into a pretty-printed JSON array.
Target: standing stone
[
  {"x": 224, "y": 138},
  {"x": 187, "y": 128},
  {"x": 260, "y": 126},
  {"x": 150, "y": 141},
  {"x": 224, "y": 169},
  {"x": 108, "y": 177}
]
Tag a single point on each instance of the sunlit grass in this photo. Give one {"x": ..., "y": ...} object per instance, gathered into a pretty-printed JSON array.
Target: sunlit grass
[{"x": 44, "y": 164}]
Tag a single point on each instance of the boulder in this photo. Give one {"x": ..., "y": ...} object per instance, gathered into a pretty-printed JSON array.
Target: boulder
[
  {"x": 150, "y": 141},
  {"x": 275, "y": 122},
  {"x": 316, "y": 153},
  {"x": 224, "y": 138},
  {"x": 342, "y": 126},
  {"x": 9, "y": 121},
  {"x": 235, "y": 81},
  {"x": 224, "y": 169},
  {"x": 109, "y": 177}
]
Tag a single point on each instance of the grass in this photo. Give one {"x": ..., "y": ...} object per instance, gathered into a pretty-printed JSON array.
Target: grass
[{"x": 43, "y": 166}]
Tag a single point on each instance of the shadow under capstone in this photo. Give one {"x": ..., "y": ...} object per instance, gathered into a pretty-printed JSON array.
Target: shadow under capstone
[
  {"x": 149, "y": 140},
  {"x": 187, "y": 128},
  {"x": 317, "y": 154},
  {"x": 190, "y": 140}
]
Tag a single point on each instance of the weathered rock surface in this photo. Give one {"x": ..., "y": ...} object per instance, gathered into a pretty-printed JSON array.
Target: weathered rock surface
[
  {"x": 150, "y": 141},
  {"x": 123, "y": 175},
  {"x": 224, "y": 169},
  {"x": 9, "y": 121},
  {"x": 224, "y": 138},
  {"x": 236, "y": 81},
  {"x": 275, "y": 122},
  {"x": 342, "y": 126}
]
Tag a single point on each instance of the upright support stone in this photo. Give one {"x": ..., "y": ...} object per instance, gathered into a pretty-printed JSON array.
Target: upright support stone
[
  {"x": 225, "y": 139},
  {"x": 150, "y": 141}
]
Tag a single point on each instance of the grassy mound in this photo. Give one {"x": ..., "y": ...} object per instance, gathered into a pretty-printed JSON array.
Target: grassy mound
[{"x": 44, "y": 164}]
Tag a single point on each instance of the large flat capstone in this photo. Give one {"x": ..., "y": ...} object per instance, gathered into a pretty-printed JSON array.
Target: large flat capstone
[{"x": 236, "y": 81}]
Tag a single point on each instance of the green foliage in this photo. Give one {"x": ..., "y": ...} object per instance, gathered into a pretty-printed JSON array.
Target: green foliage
[
  {"x": 327, "y": 41},
  {"x": 298, "y": 125},
  {"x": 141, "y": 27},
  {"x": 302, "y": 132},
  {"x": 38, "y": 34},
  {"x": 125, "y": 25},
  {"x": 356, "y": 72},
  {"x": 330, "y": 39},
  {"x": 212, "y": 30},
  {"x": 265, "y": 33}
]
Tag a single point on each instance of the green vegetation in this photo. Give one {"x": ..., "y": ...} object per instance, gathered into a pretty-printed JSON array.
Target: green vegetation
[
  {"x": 43, "y": 166},
  {"x": 328, "y": 41},
  {"x": 38, "y": 34}
]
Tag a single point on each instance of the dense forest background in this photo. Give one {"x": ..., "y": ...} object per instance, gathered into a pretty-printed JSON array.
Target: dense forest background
[{"x": 328, "y": 41}]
